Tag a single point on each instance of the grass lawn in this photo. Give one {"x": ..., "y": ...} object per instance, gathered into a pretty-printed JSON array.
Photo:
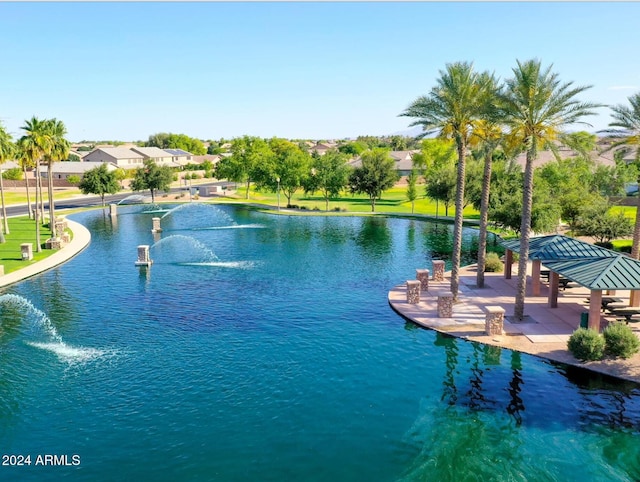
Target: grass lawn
[
  {"x": 22, "y": 230},
  {"x": 393, "y": 200},
  {"x": 20, "y": 197}
]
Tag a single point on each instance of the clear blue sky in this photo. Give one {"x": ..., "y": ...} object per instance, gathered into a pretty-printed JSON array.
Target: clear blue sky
[{"x": 125, "y": 71}]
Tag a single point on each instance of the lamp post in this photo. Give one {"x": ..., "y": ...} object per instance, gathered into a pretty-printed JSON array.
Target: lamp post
[{"x": 278, "y": 191}]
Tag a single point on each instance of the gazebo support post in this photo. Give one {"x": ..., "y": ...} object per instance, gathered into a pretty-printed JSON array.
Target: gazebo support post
[
  {"x": 595, "y": 304},
  {"x": 535, "y": 277},
  {"x": 553, "y": 289},
  {"x": 508, "y": 263},
  {"x": 634, "y": 298}
]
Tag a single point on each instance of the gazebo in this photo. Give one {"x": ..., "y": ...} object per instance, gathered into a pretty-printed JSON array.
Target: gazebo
[{"x": 593, "y": 267}]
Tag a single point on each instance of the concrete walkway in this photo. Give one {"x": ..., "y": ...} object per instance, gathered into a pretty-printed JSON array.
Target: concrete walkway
[
  {"x": 544, "y": 332},
  {"x": 81, "y": 239}
]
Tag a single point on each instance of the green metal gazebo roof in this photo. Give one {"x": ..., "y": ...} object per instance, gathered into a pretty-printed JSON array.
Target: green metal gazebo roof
[
  {"x": 591, "y": 266},
  {"x": 610, "y": 273},
  {"x": 556, "y": 246}
]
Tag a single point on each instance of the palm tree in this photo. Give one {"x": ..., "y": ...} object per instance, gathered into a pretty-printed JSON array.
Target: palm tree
[
  {"x": 36, "y": 144},
  {"x": 536, "y": 105},
  {"x": 488, "y": 133},
  {"x": 626, "y": 131},
  {"x": 450, "y": 109},
  {"x": 7, "y": 150},
  {"x": 59, "y": 152},
  {"x": 25, "y": 164}
]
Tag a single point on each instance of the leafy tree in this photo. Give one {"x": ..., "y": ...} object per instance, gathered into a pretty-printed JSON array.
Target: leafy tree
[
  {"x": 412, "y": 189},
  {"x": 398, "y": 143},
  {"x": 100, "y": 181},
  {"x": 121, "y": 175},
  {"x": 286, "y": 169},
  {"x": 13, "y": 174},
  {"x": 535, "y": 106},
  {"x": 74, "y": 179},
  {"x": 165, "y": 140},
  {"x": 376, "y": 174},
  {"x": 247, "y": 154},
  {"x": 582, "y": 142},
  {"x": 625, "y": 129},
  {"x": 152, "y": 177},
  {"x": 352, "y": 148},
  {"x": 74, "y": 158},
  {"x": 599, "y": 223},
  {"x": 329, "y": 175},
  {"x": 441, "y": 186},
  {"x": 450, "y": 109}
]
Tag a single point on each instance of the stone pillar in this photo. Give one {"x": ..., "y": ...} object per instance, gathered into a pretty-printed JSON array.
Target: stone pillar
[
  {"x": 413, "y": 292},
  {"x": 438, "y": 270},
  {"x": 143, "y": 256},
  {"x": 494, "y": 320},
  {"x": 535, "y": 277},
  {"x": 422, "y": 275},
  {"x": 553, "y": 289},
  {"x": 595, "y": 305},
  {"x": 156, "y": 225},
  {"x": 508, "y": 263},
  {"x": 59, "y": 228},
  {"x": 113, "y": 209},
  {"x": 27, "y": 251},
  {"x": 445, "y": 304}
]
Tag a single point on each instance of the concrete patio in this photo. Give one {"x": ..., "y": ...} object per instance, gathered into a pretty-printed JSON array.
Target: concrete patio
[{"x": 544, "y": 332}]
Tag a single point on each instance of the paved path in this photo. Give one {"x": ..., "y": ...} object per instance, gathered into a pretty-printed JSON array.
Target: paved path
[
  {"x": 81, "y": 239},
  {"x": 544, "y": 333}
]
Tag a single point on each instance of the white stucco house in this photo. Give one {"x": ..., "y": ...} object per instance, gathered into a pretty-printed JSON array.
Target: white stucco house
[{"x": 121, "y": 157}]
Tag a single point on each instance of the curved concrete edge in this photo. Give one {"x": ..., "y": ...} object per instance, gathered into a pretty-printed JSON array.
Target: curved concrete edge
[
  {"x": 414, "y": 313},
  {"x": 81, "y": 239}
]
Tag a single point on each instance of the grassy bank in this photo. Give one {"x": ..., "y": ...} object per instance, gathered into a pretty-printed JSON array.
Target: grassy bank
[{"x": 22, "y": 230}]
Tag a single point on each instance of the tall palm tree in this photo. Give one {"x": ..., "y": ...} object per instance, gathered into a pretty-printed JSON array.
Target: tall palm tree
[
  {"x": 25, "y": 164},
  {"x": 536, "y": 106},
  {"x": 487, "y": 132},
  {"x": 450, "y": 109},
  {"x": 7, "y": 150},
  {"x": 36, "y": 144},
  {"x": 626, "y": 131},
  {"x": 59, "y": 152}
]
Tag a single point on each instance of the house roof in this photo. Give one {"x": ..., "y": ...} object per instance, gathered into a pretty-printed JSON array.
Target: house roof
[
  {"x": 79, "y": 167},
  {"x": 118, "y": 152},
  {"x": 543, "y": 157},
  {"x": 178, "y": 152},
  {"x": 154, "y": 152}
]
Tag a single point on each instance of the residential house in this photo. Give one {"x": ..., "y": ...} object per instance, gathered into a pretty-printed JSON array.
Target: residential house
[
  {"x": 160, "y": 156},
  {"x": 121, "y": 157},
  {"x": 62, "y": 170},
  {"x": 180, "y": 157}
]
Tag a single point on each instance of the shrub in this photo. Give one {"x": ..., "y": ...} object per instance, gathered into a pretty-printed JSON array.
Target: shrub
[
  {"x": 493, "y": 263},
  {"x": 586, "y": 345},
  {"x": 620, "y": 340},
  {"x": 12, "y": 174},
  {"x": 604, "y": 244}
]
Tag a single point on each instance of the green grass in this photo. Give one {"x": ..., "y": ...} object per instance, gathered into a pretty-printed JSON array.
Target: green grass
[
  {"x": 17, "y": 197},
  {"x": 393, "y": 201},
  {"x": 22, "y": 230}
]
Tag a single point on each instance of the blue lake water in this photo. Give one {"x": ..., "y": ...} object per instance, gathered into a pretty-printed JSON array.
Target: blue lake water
[{"x": 261, "y": 347}]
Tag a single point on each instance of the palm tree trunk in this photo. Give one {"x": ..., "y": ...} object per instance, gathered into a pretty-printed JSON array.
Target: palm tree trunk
[
  {"x": 4, "y": 207},
  {"x": 26, "y": 182},
  {"x": 457, "y": 225},
  {"x": 40, "y": 195},
  {"x": 635, "y": 247},
  {"x": 38, "y": 209},
  {"x": 52, "y": 214},
  {"x": 484, "y": 218},
  {"x": 525, "y": 228}
]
